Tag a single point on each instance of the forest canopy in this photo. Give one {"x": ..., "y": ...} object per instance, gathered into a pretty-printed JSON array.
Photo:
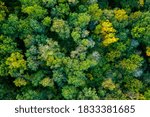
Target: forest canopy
[{"x": 75, "y": 49}]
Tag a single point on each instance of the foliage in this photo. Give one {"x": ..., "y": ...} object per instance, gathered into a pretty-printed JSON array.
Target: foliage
[
  {"x": 75, "y": 49},
  {"x": 3, "y": 11},
  {"x": 108, "y": 33},
  {"x": 61, "y": 28},
  {"x": 88, "y": 94},
  {"x": 108, "y": 84},
  {"x": 16, "y": 64},
  {"x": 69, "y": 92}
]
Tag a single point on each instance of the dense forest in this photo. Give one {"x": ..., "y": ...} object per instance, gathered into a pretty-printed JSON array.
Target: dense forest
[{"x": 75, "y": 49}]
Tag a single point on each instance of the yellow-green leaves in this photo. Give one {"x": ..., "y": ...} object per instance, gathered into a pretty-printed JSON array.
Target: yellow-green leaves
[
  {"x": 136, "y": 15},
  {"x": 3, "y": 10},
  {"x": 51, "y": 54},
  {"x": 141, "y": 28},
  {"x": 16, "y": 63},
  {"x": 62, "y": 1},
  {"x": 98, "y": 29},
  {"x": 35, "y": 11},
  {"x": 88, "y": 94},
  {"x": 47, "y": 82},
  {"x": 141, "y": 2},
  {"x": 20, "y": 82},
  {"x": 94, "y": 11},
  {"x": 77, "y": 78},
  {"x": 133, "y": 85},
  {"x": 108, "y": 84},
  {"x": 74, "y": 2},
  {"x": 132, "y": 63},
  {"x": 69, "y": 92},
  {"x": 148, "y": 51},
  {"x": 83, "y": 20},
  {"x": 112, "y": 55},
  {"x": 58, "y": 24},
  {"x": 46, "y": 21},
  {"x": 75, "y": 34},
  {"x": 121, "y": 14},
  {"x": 61, "y": 28}
]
